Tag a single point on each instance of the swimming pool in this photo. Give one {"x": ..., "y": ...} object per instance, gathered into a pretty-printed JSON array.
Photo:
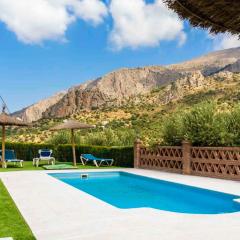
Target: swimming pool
[{"x": 125, "y": 190}]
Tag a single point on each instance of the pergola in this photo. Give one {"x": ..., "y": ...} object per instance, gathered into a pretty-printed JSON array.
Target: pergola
[
  {"x": 7, "y": 120},
  {"x": 72, "y": 125},
  {"x": 218, "y": 16}
]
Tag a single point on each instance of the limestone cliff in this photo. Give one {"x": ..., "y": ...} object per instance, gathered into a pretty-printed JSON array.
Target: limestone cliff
[{"x": 115, "y": 88}]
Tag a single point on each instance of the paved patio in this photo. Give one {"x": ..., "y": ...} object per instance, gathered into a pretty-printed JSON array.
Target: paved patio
[{"x": 57, "y": 211}]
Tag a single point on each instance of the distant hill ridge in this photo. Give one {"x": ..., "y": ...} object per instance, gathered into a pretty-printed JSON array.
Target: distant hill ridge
[{"x": 115, "y": 88}]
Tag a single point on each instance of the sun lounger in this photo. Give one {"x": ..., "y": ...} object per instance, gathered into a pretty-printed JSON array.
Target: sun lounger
[
  {"x": 44, "y": 155},
  {"x": 10, "y": 157},
  {"x": 85, "y": 158}
]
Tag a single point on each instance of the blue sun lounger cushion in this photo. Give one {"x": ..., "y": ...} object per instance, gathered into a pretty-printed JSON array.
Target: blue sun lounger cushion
[
  {"x": 85, "y": 158},
  {"x": 10, "y": 157}
]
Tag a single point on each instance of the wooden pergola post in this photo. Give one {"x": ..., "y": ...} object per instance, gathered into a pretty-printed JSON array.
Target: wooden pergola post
[
  {"x": 7, "y": 120},
  {"x": 72, "y": 125},
  {"x": 3, "y": 145},
  {"x": 73, "y": 148}
]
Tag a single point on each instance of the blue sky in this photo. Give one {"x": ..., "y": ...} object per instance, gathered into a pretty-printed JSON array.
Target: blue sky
[{"x": 36, "y": 65}]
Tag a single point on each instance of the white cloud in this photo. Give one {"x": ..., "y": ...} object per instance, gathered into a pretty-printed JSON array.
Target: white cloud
[
  {"x": 136, "y": 24},
  {"x": 93, "y": 11},
  {"x": 224, "y": 41},
  {"x": 34, "y": 21}
]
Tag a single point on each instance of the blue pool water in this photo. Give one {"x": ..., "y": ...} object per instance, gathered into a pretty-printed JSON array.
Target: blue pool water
[{"x": 125, "y": 190}]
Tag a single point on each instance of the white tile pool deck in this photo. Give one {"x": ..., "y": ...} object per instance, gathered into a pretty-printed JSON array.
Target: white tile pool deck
[{"x": 57, "y": 211}]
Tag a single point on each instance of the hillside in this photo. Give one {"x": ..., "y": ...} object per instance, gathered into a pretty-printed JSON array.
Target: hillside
[
  {"x": 112, "y": 89},
  {"x": 142, "y": 115},
  {"x": 35, "y": 111},
  {"x": 210, "y": 63},
  {"x": 117, "y": 88},
  {"x": 136, "y": 102}
]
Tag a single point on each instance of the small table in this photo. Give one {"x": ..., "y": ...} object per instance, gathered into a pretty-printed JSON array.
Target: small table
[{"x": 49, "y": 160}]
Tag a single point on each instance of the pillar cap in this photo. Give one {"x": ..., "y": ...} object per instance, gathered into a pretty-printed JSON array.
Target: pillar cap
[
  {"x": 186, "y": 142},
  {"x": 138, "y": 141}
]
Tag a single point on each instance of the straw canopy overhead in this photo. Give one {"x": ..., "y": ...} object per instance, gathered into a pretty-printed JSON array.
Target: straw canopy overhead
[
  {"x": 71, "y": 124},
  {"x": 216, "y": 15},
  {"x": 8, "y": 120}
]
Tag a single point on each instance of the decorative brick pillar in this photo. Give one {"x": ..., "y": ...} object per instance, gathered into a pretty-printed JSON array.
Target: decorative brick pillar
[
  {"x": 137, "y": 146},
  {"x": 186, "y": 148}
]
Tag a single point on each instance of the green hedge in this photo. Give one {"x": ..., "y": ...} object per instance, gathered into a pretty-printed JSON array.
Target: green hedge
[
  {"x": 123, "y": 156},
  {"x": 27, "y": 151}
]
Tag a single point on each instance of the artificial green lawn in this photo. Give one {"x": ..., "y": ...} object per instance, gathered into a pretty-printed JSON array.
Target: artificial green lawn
[
  {"x": 29, "y": 166},
  {"x": 12, "y": 223},
  {"x": 59, "y": 167}
]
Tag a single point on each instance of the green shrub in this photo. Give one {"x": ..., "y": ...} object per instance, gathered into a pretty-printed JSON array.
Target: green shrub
[
  {"x": 27, "y": 151},
  {"x": 123, "y": 156},
  {"x": 232, "y": 122},
  {"x": 99, "y": 137},
  {"x": 172, "y": 131},
  {"x": 61, "y": 137},
  {"x": 203, "y": 125}
]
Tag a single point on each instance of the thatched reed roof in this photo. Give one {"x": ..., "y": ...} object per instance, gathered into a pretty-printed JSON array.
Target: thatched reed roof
[
  {"x": 8, "y": 120},
  {"x": 218, "y": 16},
  {"x": 71, "y": 124}
]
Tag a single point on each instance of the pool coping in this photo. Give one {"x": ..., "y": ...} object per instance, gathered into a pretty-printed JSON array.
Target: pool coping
[{"x": 42, "y": 211}]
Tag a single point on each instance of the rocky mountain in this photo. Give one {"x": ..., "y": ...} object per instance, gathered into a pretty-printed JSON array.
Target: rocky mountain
[
  {"x": 35, "y": 111},
  {"x": 210, "y": 63},
  {"x": 112, "y": 89},
  {"x": 191, "y": 84},
  {"x": 234, "y": 67},
  {"x": 116, "y": 88},
  {"x": 144, "y": 114}
]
